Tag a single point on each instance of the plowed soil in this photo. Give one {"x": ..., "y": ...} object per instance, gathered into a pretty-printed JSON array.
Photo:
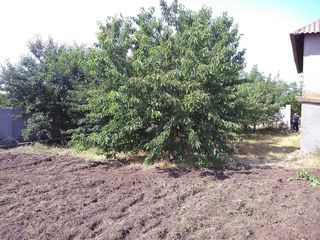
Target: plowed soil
[{"x": 55, "y": 197}]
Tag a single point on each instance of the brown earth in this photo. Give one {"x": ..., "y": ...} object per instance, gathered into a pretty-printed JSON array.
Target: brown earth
[{"x": 46, "y": 196}]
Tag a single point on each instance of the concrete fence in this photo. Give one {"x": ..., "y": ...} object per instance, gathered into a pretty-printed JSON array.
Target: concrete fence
[
  {"x": 10, "y": 125},
  {"x": 285, "y": 115}
]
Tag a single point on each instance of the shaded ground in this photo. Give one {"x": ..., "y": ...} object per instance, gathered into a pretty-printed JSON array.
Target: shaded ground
[{"x": 46, "y": 196}]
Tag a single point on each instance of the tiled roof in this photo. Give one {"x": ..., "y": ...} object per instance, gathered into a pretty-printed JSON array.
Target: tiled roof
[
  {"x": 313, "y": 27},
  {"x": 297, "y": 42}
]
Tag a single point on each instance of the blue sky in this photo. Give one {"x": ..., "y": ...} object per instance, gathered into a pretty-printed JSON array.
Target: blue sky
[
  {"x": 265, "y": 25},
  {"x": 307, "y": 10}
]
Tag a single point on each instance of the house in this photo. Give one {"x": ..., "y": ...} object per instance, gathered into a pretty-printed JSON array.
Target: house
[{"x": 306, "y": 51}]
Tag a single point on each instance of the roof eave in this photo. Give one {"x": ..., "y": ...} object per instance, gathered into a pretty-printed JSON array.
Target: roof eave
[{"x": 297, "y": 42}]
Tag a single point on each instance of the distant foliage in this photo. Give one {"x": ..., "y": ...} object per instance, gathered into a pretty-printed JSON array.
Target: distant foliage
[
  {"x": 41, "y": 85},
  {"x": 4, "y": 102},
  {"x": 260, "y": 98},
  {"x": 166, "y": 85},
  {"x": 289, "y": 93}
]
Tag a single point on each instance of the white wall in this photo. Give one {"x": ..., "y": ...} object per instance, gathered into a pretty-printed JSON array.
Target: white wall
[
  {"x": 310, "y": 132},
  {"x": 311, "y": 64}
]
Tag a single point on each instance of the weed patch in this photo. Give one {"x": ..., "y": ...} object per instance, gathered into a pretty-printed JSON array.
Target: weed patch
[{"x": 304, "y": 175}]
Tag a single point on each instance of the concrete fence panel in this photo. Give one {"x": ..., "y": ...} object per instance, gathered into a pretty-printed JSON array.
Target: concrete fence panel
[{"x": 10, "y": 125}]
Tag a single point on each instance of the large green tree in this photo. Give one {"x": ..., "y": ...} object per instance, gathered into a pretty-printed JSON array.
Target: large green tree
[
  {"x": 41, "y": 84},
  {"x": 167, "y": 84}
]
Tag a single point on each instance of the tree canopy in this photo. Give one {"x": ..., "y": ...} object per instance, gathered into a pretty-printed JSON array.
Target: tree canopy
[
  {"x": 41, "y": 84},
  {"x": 173, "y": 86},
  {"x": 170, "y": 84}
]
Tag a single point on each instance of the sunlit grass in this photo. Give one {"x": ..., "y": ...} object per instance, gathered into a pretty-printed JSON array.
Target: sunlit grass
[
  {"x": 291, "y": 140},
  {"x": 89, "y": 155},
  {"x": 281, "y": 149},
  {"x": 308, "y": 161}
]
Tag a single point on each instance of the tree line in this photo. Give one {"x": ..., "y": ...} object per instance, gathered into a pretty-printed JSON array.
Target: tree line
[{"x": 172, "y": 85}]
